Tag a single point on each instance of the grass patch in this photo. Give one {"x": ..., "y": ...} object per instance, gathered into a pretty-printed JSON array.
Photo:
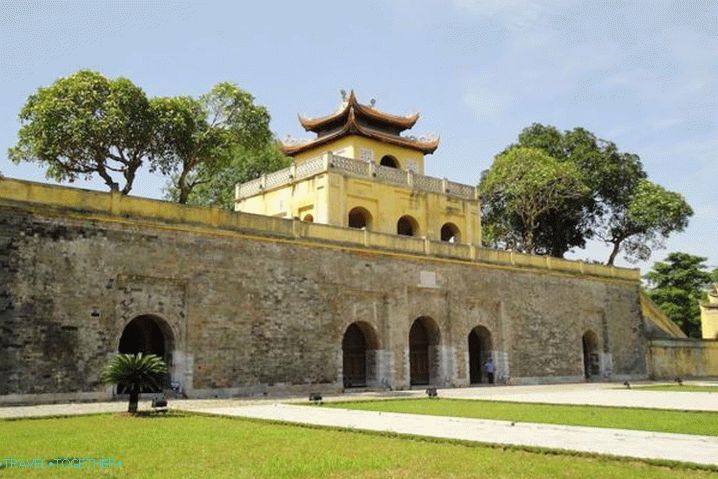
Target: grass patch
[
  {"x": 677, "y": 388},
  {"x": 685, "y": 422},
  {"x": 217, "y": 447}
]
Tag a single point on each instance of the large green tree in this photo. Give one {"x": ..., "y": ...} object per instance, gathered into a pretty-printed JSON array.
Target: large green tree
[
  {"x": 199, "y": 139},
  {"x": 616, "y": 206},
  {"x": 678, "y": 286},
  {"x": 523, "y": 186},
  {"x": 644, "y": 221},
  {"x": 214, "y": 185},
  {"x": 85, "y": 125}
]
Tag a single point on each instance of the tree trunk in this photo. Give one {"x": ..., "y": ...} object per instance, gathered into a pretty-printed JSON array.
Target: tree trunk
[
  {"x": 134, "y": 400},
  {"x": 614, "y": 253}
]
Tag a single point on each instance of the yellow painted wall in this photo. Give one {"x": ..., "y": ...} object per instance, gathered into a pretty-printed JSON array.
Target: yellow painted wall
[
  {"x": 292, "y": 201},
  {"x": 351, "y": 146},
  {"x": 387, "y": 203},
  {"x": 670, "y": 358},
  {"x": 709, "y": 317}
]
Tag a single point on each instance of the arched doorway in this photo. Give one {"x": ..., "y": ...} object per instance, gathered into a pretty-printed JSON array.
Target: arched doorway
[
  {"x": 389, "y": 161},
  {"x": 148, "y": 335},
  {"x": 591, "y": 359},
  {"x": 480, "y": 347},
  {"x": 359, "y": 218},
  {"x": 423, "y": 354},
  {"x": 407, "y": 226},
  {"x": 358, "y": 345},
  {"x": 450, "y": 233}
]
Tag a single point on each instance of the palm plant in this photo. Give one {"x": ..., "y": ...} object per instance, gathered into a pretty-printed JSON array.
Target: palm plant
[{"x": 137, "y": 373}]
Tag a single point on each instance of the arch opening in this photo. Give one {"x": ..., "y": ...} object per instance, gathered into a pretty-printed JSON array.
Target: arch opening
[
  {"x": 450, "y": 233},
  {"x": 147, "y": 335},
  {"x": 407, "y": 226},
  {"x": 389, "y": 161},
  {"x": 480, "y": 349},
  {"x": 591, "y": 358},
  {"x": 424, "y": 339},
  {"x": 358, "y": 355},
  {"x": 308, "y": 219},
  {"x": 359, "y": 218}
]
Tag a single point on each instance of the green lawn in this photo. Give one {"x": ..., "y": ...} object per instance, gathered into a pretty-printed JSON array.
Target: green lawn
[
  {"x": 676, "y": 388},
  {"x": 687, "y": 422},
  {"x": 214, "y": 447}
]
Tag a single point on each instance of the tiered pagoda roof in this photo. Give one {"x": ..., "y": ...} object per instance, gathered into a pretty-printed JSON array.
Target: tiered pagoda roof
[{"x": 353, "y": 118}]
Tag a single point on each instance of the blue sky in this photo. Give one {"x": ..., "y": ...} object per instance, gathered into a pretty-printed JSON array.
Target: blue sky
[{"x": 643, "y": 74}]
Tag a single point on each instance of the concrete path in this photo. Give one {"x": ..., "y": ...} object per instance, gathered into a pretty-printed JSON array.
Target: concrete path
[
  {"x": 591, "y": 394},
  {"x": 618, "y": 442}
]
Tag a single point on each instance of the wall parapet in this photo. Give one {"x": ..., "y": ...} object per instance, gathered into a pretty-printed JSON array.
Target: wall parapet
[
  {"x": 357, "y": 168},
  {"x": 49, "y": 198}
]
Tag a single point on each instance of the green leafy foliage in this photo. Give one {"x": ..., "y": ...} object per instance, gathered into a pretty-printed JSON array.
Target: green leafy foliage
[
  {"x": 87, "y": 124},
  {"x": 201, "y": 139},
  {"x": 522, "y": 186},
  {"x": 678, "y": 286},
  {"x": 137, "y": 373},
  {"x": 618, "y": 206},
  {"x": 84, "y": 125},
  {"x": 215, "y": 185}
]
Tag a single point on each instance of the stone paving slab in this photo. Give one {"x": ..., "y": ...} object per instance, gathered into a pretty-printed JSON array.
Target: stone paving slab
[{"x": 618, "y": 442}]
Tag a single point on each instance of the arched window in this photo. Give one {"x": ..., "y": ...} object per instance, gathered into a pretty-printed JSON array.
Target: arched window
[
  {"x": 450, "y": 233},
  {"x": 308, "y": 218},
  {"x": 407, "y": 226},
  {"x": 359, "y": 218},
  {"x": 389, "y": 161}
]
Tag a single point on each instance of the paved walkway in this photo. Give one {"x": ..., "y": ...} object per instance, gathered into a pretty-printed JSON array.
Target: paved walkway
[
  {"x": 597, "y": 394},
  {"x": 603, "y": 394},
  {"x": 618, "y": 442}
]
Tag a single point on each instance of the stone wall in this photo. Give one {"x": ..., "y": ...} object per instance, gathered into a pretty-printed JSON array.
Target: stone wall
[{"x": 253, "y": 313}]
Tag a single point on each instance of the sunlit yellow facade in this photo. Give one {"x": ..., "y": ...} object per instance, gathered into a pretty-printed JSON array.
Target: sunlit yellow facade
[
  {"x": 366, "y": 176},
  {"x": 709, "y": 316}
]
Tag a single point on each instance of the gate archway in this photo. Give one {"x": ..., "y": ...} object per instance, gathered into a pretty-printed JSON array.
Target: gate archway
[
  {"x": 358, "y": 347},
  {"x": 591, "y": 358},
  {"x": 480, "y": 347},
  {"x": 424, "y": 339},
  {"x": 147, "y": 334}
]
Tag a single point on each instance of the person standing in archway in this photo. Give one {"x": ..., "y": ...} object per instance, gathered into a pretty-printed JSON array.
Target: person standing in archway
[{"x": 489, "y": 369}]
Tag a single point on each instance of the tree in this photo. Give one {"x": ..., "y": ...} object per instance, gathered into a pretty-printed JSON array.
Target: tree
[
  {"x": 522, "y": 186},
  {"x": 87, "y": 124},
  {"x": 678, "y": 286},
  {"x": 614, "y": 206},
  {"x": 644, "y": 221},
  {"x": 215, "y": 186},
  {"x": 136, "y": 372},
  {"x": 199, "y": 139}
]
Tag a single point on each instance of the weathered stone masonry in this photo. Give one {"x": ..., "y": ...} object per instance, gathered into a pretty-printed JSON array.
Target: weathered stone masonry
[{"x": 248, "y": 313}]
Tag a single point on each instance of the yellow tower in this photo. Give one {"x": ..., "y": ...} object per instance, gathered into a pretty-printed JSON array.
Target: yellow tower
[{"x": 360, "y": 172}]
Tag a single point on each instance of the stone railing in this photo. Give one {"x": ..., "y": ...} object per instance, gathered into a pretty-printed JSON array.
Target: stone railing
[
  {"x": 62, "y": 201},
  {"x": 356, "y": 168}
]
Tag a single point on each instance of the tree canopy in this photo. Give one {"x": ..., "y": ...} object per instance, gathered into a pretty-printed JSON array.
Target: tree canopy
[
  {"x": 200, "y": 138},
  {"x": 524, "y": 185},
  {"x": 618, "y": 204},
  {"x": 84, "y": 125},
  {"x": 678, "y": 286},
  {"x": 87, "y": 124}
]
